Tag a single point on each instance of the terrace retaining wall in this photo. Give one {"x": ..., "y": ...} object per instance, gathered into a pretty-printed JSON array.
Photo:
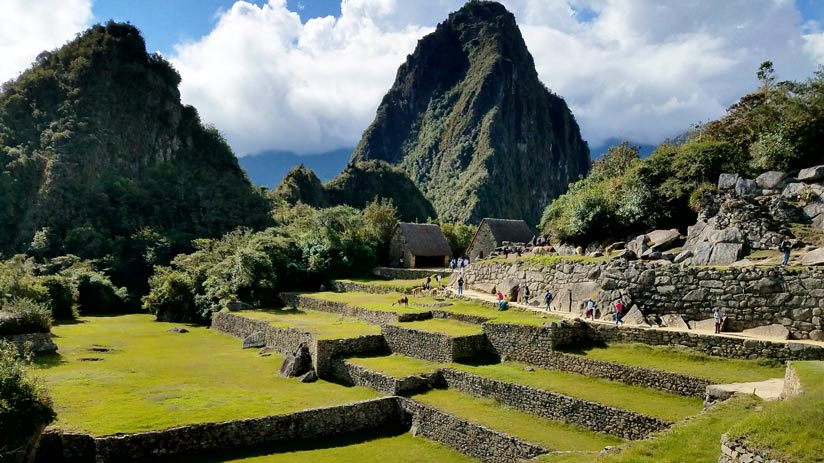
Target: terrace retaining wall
[
  {"x": 477, "y": 441},
  {"x": 351, "y": 374},
  {"x": 736, "y": 451},
  {"x": 377, "y": 317},
  {"x": 382, "y": 415},
  {"x": 355, "y": 287},
  {"x": 750, "y": 297},
  {"x": 593, "y": 416},
  {"x": 435, "y": 347},
  {"x": 40, "y": 343},
  {"x": 392, "y": 273}
]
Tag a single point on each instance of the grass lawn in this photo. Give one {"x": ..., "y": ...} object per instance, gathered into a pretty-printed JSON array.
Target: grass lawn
[
  {"x": 645, "y": 401},
  {"x": 551, "y": 434},
  {"x": 397, "y": 449},
  {"x": 396, "y": 284},
  {"x": 696, "y": 440},
  {"x": 322, "y": 325},
  {"x": 792, "y": 428},
  {"x": 384, "y": 302},
  {"x": 151, "y": 379},
  {"x": 396, "y": 366},
  {"x": 451, "y": 328},
  {"x": 687, "y": 362}
]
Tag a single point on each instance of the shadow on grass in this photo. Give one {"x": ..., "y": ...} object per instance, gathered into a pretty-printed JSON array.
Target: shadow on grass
[
  {"x": 581, "y": 348},
  {"x": 48, "y": 361},
  {"x": 277, "y": 448}
]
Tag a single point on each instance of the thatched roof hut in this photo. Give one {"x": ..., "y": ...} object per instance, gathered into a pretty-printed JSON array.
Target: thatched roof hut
[
  {"x": 492, "y": 233},
  {"x": 420, "y": 245}
]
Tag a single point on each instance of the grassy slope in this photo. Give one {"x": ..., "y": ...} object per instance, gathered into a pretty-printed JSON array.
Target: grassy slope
[
  {"x": 548, "y": 433},
  {"x": 648, "y": 402},
  {"x": 791, "y": 428},
  {"x": 384, "y": 302},
  {"x": 153, "y": 379},
  {"x": 397, "y": 284},
  {"x": 396, "y": 366},
  {"x": 687, "y": 362},
  {"x": 696, "y": 440},
  {"x": 398, "y": 449},
  {"x": 322, "y": 325}
]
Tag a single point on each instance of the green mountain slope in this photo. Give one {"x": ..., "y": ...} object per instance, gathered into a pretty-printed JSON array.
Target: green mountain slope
[{"x": 470, "y": 122}]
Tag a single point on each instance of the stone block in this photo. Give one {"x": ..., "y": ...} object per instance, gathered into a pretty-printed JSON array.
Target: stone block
[
  {"x": 771, "y": 180},
  {"x": 634, "y": 317},
  {"x": 815, "y": 257},
  {"x": 725, "y": 253},
  {"x": 255, "y": 340},
  {"x": 811, "y": 174},
  {"x": 746, "y": 188},
  {"x": 817, "y": 335},
  {"x": 792, "y": 190},
  {"x": 663, "y": 239},
  {"x": 682, "y": 257},
  {"x": 774, "y": 331},
  {"x": 727, "y": 181},
  {"x": 674, "y": 321},
  {"x": 703, "y": 326}
]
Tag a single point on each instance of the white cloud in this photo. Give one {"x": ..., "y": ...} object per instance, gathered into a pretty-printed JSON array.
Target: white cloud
[{"x": 30, "y": 27}]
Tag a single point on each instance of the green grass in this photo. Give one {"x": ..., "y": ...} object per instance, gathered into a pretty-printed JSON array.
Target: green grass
[
  {"x": 696, "y": 440},
  {"x": 152, "y": 379},
  {"x": 397, "y": 449},
  {"x": 384, "y": 302},
  {"x": 322, "y": 325},
  {"x": 645, "y": 401},
  {"x": 687, "y": 362},
  {"x": 448, "y": 327},
  {"x": 551, "y": 434},
  {"x": 397, "y": 284},
  {"x": 396, "y": 366},
  {"x": 791, "y": 428}
]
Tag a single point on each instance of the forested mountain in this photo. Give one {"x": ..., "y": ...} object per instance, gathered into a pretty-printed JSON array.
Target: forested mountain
[
  {"x": 100, "y": 158},
  {"x": 470, "y": 122},
  {"x": 268, "y": 168}
]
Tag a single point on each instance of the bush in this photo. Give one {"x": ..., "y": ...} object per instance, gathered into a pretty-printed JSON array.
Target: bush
[
  {"x": 172, "y": 296},
  {"x": 23, "y": 315},
  {"x": 60, "y": 297},
  {"x": 97, "y": 295},
  {"x": 24, "y": 404}
]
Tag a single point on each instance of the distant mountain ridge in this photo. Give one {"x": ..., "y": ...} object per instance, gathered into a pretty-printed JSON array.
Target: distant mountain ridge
[
  {"x": 270, "y": 167},
  {"x": 470, "y": 122}
]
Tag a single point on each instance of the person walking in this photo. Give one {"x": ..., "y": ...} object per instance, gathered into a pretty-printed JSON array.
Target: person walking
[
  {"x": 619, "y": 312},
  {"x": 548, "y": 299},
  {"x": 719, "y": 317},
  {"x": 460, "y": 286},
  {"x": 590, "y": 309},
  {"x": 785, "y": 247},
  {"x": 526, "y": 295},
  {"x": 428, "y": 282},
  {"x": 438, "y": 279}
]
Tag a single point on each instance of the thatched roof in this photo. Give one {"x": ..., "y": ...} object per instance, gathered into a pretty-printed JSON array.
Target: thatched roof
[
  {"x": 424, "y": 239},
  {"x": 514, "y": 231}
]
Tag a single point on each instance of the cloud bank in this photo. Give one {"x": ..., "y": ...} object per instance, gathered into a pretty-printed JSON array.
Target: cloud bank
[{"x": 28, "y": 27}]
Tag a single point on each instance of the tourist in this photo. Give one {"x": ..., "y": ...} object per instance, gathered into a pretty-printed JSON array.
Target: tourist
[
  {"x": 548, "y": 299},
  {"x": 526, "y": 295},
  {"x": 438, "y": 279},
  {"x": 785, "y": 247},
  {"x": 719, "y": 317},
  {"x": 500, "y": 296},
  {"x": 619, "y": 312},
  {"x": 506, "y": 252},
  {"x": 400, "y": 262},
  {"x": 452, "y": 264},
  {"x": 427, "y": 283},
  {"x": 590, "y": 309},
  {"x": 460, "y": 286}
]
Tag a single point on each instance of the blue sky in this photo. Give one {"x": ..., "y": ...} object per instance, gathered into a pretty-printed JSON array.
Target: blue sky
[
  {"x": 641, "y": 70},
  {"x": 165, "y": 23}
]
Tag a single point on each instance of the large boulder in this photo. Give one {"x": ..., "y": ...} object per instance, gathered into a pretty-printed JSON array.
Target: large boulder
[
  {"x": 811, "y": 174},
  {"x": 703, "y": 326},
  {"x": 639, "y": 245},
  {"x": 663, "y": 239},
  {"x": 771, "y": 180},
  {"x": 682, "y": 257},
  {"x": 792, "y": 190},
  {"x": 570, "y": 298},
  {"x": 815, "y": 257},
  {"x": 297, "y": 363},
  {"x": 634, "y": 317},
  {"x": 746, "y": 188},
  {"x": 774, "y": 331},
  {"x": 674, "y": 321},
  {"x": 727, "y": 181},
  {"x": 725, "y": 253},
  {"x": 255, "y": 340}
]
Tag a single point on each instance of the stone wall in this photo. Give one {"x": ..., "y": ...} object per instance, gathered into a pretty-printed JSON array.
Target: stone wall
[
  {"x": 474, "y": 319},
  {"x": 720, "y": 346},
  {"x": 590, "y": 415},
  {"x": 735, "y": 451},
  {"x": 435, "y": 347},
  {"x": 750, "y": 297},
  {"x": 382, "y": 415},
  {"x": 391, "y": 273},
  {"x": 355, "y": 287},
  {"x": 351, "y": 374},
  {"x": 477, "y": 441},
  {"x": 328, "y": 353},
  {"x": 40, "y": 343},
  {"x": 377, "y": 317}
]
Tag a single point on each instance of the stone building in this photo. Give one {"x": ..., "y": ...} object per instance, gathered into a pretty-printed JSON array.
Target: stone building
[
  {"x": 492, "y": 233},
  {"x": 421, "y": 245}
]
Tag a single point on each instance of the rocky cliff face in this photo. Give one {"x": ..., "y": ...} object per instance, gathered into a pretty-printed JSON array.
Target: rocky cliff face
[
  {"x": 95, "y": 145},
  {"x": 470, "y": 122}
]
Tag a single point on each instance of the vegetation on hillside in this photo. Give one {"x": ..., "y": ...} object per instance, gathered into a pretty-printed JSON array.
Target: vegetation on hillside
[
  {"x": 100, "y": 160},
  {"x": 778, "y": 127}
]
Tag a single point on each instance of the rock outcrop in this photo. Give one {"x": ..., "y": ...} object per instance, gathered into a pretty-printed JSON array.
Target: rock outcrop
[{"x": 470, "y": 122}]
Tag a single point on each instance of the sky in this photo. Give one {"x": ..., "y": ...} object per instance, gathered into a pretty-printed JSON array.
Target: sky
[{"x": 307, "y": 75}]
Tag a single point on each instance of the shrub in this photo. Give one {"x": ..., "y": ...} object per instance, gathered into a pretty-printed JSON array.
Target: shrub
[
  {"x": 702, "y": 195},
  {"x": 61, "y": 297},
  {"x": 24, "y": 404},
  {"x": 172, "y": 296},
  {"x": 25, "y": 316},
  {"x": 97, "y": 295}
]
